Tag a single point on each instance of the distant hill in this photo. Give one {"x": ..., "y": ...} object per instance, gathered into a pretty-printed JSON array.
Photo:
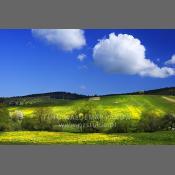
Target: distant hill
[
  {"x": 161, "y": 91},
  {"x": 58, "y": 97},
  {"x": 43, "y": 98}
]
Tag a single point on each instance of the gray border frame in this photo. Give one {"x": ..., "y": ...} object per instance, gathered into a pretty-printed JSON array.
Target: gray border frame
[
  {"x": 87, "y": 14},
  {"x": 83, "y": 159}
]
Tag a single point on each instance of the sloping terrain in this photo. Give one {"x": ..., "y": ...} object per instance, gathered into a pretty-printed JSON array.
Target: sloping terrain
[{"x": 118, "y": 105}]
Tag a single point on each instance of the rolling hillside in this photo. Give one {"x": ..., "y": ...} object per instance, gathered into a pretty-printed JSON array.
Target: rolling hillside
[
  {"x": 161, "y": 91},
  {"x": 118, "y": 105},
  {"x": 57, "y": 97},
  {"x": 63, "y": 103}
]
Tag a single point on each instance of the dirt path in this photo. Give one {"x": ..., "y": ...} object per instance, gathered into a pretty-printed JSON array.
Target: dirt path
[
  {"x": 94, "y": 98},
  {"x": 169, "y": 99}
]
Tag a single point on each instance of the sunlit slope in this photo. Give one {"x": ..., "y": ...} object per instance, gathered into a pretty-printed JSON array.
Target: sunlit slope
[
  {"x": 134, "y": 105},
  {"x": 118, "y": 105}
]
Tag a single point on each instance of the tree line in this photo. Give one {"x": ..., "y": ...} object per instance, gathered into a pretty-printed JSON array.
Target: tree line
[{"x": 85, "y": 118}]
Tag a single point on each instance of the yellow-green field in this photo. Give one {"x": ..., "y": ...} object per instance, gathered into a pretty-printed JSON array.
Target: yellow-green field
[
  {"x": 43, "y": 137},
  {"x": 118, "y": 105}
]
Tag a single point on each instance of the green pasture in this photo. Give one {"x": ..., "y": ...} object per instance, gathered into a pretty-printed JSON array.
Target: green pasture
[
  {"x": 44, "y": 137},
  {"x": 117, "y": 105}
]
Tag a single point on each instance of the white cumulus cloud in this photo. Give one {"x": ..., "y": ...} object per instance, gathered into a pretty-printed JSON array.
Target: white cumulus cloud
[
  {"x": 171, "y": 61},
  {"x": 81, "y": 57},
  {"x": 67, "y": 39},
  {"x": 125, "y": 54}
]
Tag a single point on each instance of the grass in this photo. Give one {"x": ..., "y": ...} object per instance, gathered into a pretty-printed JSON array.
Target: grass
[
  {"x": 118, "y": 105},
  {"x": 44, "y": 137}
]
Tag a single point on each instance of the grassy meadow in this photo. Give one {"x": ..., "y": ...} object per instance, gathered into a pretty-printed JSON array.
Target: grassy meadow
[
  {"x": 44, "y": 137},
  {"x": 117, "y": 105}
]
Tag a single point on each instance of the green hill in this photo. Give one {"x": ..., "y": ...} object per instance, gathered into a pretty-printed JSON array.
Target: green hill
[
  {"x": 159, "y": 101},
  {"x": 53, "y": 98},
  {"x": 161, "y": 91},
  {"x": 131, "y": 105},
  {"x": 44, "y": 98},
  {"x": 118, "y": 105}
]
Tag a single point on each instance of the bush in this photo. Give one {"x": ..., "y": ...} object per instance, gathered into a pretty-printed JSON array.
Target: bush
[
  {"x": 89, "y": 118},
  {"x": 121, "y": 125},
  {"x": 17, "y": 116},
  {"x": 5, "y": 124},
  {"x": 149, "y": 122},
  {"x": 16, "y": 126},
  {"x": 16, "y": 119},
  {"x": 43, "y": 119},
  {"x": 57, "y": 128},
  {"x": 168, "y": 122},
  {"x": 29, "y": 124}
]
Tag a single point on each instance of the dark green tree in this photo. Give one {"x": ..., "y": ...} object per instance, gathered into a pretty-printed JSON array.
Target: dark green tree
[
  {"x": 149, "y": 122},
  {"x": 89, "y": 118},
  {"x": 168, "y": 121},
  {"x": 5, "y": 123}
]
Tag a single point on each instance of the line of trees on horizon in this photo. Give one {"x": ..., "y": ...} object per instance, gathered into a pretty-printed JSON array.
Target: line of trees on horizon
[{"x": 15, "y": 101}]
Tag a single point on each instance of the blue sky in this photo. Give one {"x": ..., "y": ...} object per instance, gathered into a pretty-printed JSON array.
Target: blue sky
[{"x": 91, "y": 61}]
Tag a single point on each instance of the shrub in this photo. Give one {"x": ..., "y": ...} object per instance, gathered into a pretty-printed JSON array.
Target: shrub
[
  {"x": 16, "y": 119},
  {"x": 16, "y": 126},
  {"x": 121, "y": 125},
  {"x": 149, "y": 122},
  {"x": 44, "y": 119},
  {"x": 89, "y": 118},
  {"x": 29, "y": 124},
  {"x": 17, "y": 116},
  {"x": 168, "y": 121},
  {"x": 57, "y": 128},
  {"x": 5, "y": 124}
]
